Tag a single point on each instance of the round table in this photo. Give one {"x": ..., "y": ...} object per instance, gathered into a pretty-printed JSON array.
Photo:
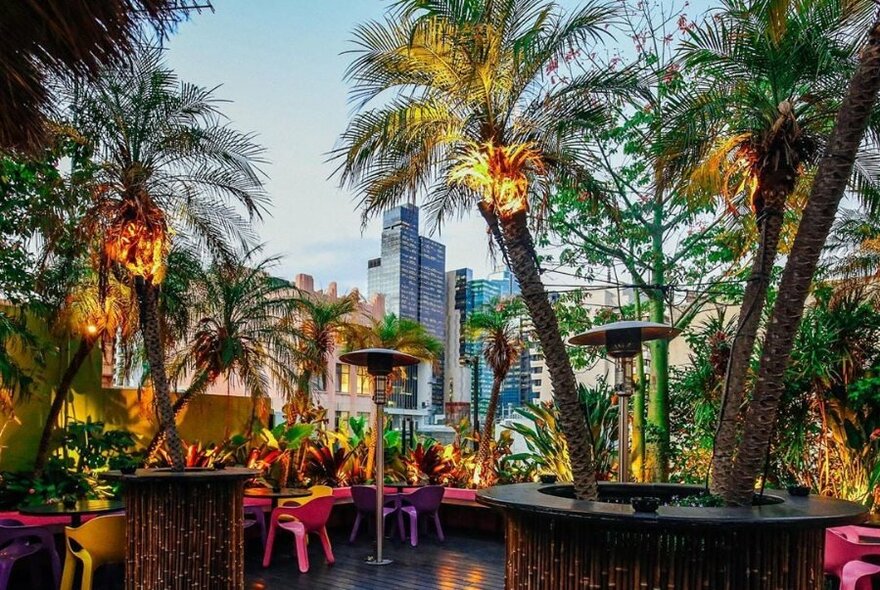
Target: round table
[
  {"x": 282, "y": 494},
  {"x": 76, "y": 512},
  {"x": 402, "y": 485}
]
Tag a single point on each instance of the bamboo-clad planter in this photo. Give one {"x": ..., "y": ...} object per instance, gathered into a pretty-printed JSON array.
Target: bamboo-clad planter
[
  {"x": 184, "y": 531},
  {"x": 555, "y": 542}
]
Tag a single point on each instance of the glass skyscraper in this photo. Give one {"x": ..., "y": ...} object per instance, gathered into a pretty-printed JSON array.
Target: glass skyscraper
[
  {"x": 472, "y": 295},
  {"x": 411, "y": 274}
]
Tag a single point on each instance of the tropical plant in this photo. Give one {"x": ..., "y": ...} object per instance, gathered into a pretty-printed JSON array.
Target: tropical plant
[
  {"x": 322, "y": 325},
  {"x": 858, "y": 115},
  {"x": 240, "y": 332},
  {"x": 401, "y": 334},
  {"x": 768, "y": 78},
  {"x": 333, "y": 465},
  {"x": 548, "y": 448},
  {"x": 469, "y": 118},
  {"x": 168, "y": 165},
  {"x": 428, "y": 462},
  {"x": 494, "y": 326}
]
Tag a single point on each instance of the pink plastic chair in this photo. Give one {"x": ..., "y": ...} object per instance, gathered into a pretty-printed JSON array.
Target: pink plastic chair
[
  {"x": 310, "y": 518},
  {"x": 364, "y": 499},
  {"x": 857, "y": 575},
  {"x": 423, "y": 502},
  {"x": 842, "y": 545}
]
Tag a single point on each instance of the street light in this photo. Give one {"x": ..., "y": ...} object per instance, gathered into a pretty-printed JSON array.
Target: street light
[
  {"x": 379, "y": 363},
  {"x": 623, "y": 340}
]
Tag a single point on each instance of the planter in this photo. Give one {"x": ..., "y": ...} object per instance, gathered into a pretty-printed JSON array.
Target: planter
[
  {"x": 555, "y": 542},
  {"x": 184, "y": 530}
]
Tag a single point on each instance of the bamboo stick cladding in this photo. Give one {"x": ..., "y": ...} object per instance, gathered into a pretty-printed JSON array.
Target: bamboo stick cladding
[
  {"x": 185, "y": 533},
  {"x": 551, "y": 553}
]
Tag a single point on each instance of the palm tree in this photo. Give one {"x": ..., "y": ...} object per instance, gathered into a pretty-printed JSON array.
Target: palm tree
[
  {"x": 44, "y": 39},
  {"x": 240, "y": 332},
  {"x": 401, "y": 334},
  {"x": 469, "y": 118},
  {"x": 502, "y": 346},
  {"x": 858, "y": 110},
  {"x": 169, "y": 165},
  {"x": 322, "y": 324},
  {"x": 768, "y": 75}
]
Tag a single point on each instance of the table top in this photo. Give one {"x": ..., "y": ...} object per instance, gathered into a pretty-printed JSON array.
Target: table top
[
  {"x": 81, "y": 507},
  {"x": 282, "y": 493},
  {"x": 403, "y": 484}
]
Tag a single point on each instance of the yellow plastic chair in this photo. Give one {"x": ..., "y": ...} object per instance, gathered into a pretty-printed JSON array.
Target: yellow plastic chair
[{"x": 95, "y": 543}]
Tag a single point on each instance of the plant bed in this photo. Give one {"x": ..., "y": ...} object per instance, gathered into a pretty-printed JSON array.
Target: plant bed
[
  {"x": 556, "y": 542},
  {"x": 184, "y": 529}
]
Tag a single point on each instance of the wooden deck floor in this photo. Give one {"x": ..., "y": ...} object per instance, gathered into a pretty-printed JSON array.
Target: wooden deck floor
[{"x": 463, "y": 562}]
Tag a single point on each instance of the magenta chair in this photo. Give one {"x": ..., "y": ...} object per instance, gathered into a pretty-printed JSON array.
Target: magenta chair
[
  {"x": 364, "y": 499},
  {"x": 842, "y": 546},
  {"x": 309, "y": 518},
  {"x": 18, "y": 541},
  {"x": 423, "y": 502},
  {"x": 254, "y": 516}
]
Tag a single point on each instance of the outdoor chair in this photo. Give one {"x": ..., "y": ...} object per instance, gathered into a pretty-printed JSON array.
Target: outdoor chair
[
  {"x": 857, "y": 575},
  {"x": 95, "y": 543},
  {"x": 17, "y": 542},
  {"x": 423, "y": 502},
  {"x": 309, "y": 518},
  {"x": 255, "y": 516},
  {"x": 364, "y": 499},
  {"x": 844, "y": 544}
]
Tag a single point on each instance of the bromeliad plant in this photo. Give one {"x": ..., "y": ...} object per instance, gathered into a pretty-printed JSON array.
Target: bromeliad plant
[{"x": 429, "y": 463}]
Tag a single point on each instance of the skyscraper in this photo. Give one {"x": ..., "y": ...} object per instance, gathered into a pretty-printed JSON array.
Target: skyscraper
[
  {"x": 411, "y": 273},
  {"x": 470, "y": 295}
]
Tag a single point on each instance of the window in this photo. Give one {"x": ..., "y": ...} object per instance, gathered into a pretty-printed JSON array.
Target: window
[
  {"x": 536, "y": 383},
  {"x": 342, "y": 377},
  {"x": 318, "y": 383},
  {"x": 341, "y": 418},
  {"x": 364, "y": 382}
]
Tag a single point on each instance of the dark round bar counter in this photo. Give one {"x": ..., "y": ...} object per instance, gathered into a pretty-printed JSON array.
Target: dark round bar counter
[{"x": 555, "y": 542}]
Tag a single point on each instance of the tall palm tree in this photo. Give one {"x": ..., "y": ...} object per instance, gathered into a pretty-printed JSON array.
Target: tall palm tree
[
  {"x": 768, "y": 74},
  {"x": 502, "y": 345},
  {"x": 169, "y": 164},
  {"x": 394, "y": 333},
  {"x": 466, "y": 115},
  {"x": 322, "y": 325},
  {"x": 858, "y": 110},
  {"x": 240, "y": 332}
]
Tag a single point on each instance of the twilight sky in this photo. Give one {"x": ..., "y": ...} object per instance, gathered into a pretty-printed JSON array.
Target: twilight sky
[{"x": 279, "y": 63}]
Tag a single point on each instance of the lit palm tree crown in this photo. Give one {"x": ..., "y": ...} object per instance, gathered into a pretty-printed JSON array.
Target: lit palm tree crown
[
  {"x": 322, "y": 326},
  {"x": 471, "y": 115},
  {"x": 496, "y": 328},
  {"x": 767, "y": 86}
]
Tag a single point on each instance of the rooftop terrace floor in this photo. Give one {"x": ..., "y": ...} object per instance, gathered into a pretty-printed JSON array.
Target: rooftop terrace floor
[{"x": 463, "y": 562}]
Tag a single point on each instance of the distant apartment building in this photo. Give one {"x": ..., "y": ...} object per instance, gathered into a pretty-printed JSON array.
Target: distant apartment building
[
  {"x": 410, "y": 274},
  {"x": 463, "y": 354}
]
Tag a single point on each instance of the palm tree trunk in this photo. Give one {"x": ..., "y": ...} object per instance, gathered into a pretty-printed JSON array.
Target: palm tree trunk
[
  {"x": 483, "y": 463},
  {"x": 150, "y": 327},
  {"x": 196, "y": 387},
  {"x": 726, "y": 436},
  {"x": 73, "y": 366},
  {"x": 521, "y": 253},
  {"x": 833, "y": 175}
]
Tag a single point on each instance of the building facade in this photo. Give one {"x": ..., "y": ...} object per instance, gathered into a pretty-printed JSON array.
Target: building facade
[{"x": 411, "y": 274}]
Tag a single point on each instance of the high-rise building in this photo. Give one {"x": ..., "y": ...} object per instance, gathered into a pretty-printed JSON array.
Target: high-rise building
[
  {"x": 466, "y": 295},
  {"x": 411, "y": 274}
]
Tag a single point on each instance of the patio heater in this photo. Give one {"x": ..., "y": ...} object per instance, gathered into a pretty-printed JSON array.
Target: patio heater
[
  {"x": 379, "y": 363},
  {"x": 623, "y": 340}
]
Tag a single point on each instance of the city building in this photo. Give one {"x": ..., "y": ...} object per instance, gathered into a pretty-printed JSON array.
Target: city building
[
  {"x": 464, "y": 354},
  {"x": 410, "y": 274}
]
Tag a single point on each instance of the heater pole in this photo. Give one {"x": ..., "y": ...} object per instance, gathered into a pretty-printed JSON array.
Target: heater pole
[
  {"x": 379, "y": 398},
  {"x": 626, "y": 364}
]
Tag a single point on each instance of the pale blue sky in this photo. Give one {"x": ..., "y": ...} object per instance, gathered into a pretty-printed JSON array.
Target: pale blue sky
[{"x": 279, "y": 63}]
